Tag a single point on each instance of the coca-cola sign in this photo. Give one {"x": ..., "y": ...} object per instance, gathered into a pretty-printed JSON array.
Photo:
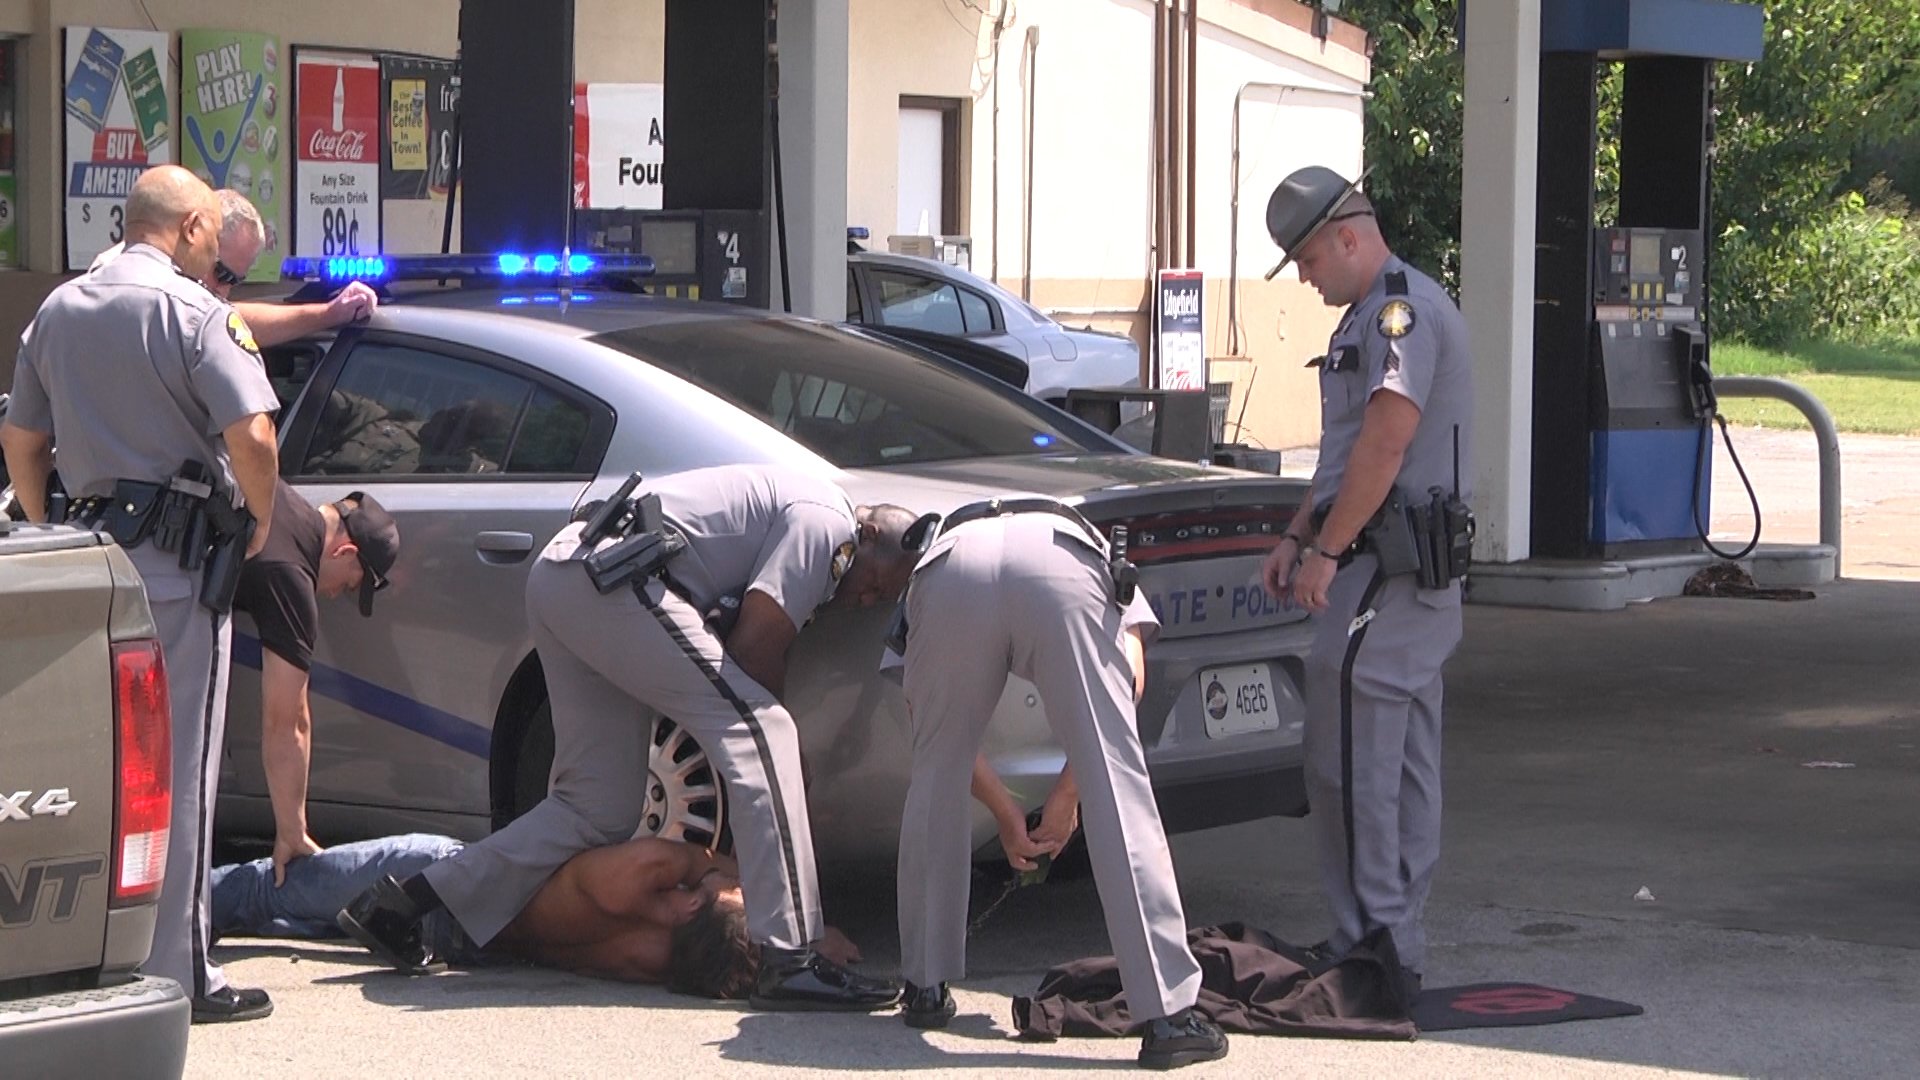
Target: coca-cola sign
[
  {"x": 338, "y": 146},
  {"x": 338, "y": 99}
]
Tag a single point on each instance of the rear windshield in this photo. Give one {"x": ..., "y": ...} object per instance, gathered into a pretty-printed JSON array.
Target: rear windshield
[{"x": 855, "y": 402}]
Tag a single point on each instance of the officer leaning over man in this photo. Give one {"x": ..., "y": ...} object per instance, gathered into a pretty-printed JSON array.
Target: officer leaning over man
[
  {"x": 1027, "y": 586},
  {"x": 242, "y": 235},
  {"x": 1376, "y": 553},
  {"x": 161, "y": 408},
  {"x": 682, "y": 602},
  {"x": 341, "y": 547}
]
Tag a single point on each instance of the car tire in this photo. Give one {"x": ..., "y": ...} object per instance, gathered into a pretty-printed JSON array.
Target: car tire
[{"x": 685, "y": 796}]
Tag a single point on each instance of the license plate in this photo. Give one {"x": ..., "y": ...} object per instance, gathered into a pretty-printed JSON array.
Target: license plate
[{"x": 1238, "y": 700}]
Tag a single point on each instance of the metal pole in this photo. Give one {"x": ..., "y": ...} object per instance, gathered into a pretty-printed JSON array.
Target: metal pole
[{"x": 1827, "y": 442}]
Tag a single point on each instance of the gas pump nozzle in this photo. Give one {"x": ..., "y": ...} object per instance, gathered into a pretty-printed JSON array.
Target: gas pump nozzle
[{"x": 1701, "y": 399}]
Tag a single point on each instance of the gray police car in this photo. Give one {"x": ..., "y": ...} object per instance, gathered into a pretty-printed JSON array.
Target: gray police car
[{"x": 483, "y": 416}]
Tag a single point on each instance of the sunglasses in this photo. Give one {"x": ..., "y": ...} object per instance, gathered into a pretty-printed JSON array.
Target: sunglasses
[{"x": 224, "y": 274}]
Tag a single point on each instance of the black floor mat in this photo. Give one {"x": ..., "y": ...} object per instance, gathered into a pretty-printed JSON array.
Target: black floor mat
[{"x": 1499, "y": 1004}]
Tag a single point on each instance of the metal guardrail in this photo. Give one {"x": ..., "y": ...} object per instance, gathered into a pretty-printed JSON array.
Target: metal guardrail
[{"x": 1826, "y": 436}]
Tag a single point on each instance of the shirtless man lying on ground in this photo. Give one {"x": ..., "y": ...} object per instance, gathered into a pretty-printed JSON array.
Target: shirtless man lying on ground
[{"x": 647, "y": 910}]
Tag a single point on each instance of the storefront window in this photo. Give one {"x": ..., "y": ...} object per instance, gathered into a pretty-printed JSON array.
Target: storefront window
[{"x": 9, "y": 190}]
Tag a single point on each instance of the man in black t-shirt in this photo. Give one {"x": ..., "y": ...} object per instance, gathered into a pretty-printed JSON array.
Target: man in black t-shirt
[{"x": 310, "y": 552}]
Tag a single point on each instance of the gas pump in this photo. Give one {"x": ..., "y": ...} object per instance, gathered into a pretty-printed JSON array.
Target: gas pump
[
  {"x": 1649, "y": 362},
  {"x": 1623, "y": 404},
  {"x": 697, "y": 254}
]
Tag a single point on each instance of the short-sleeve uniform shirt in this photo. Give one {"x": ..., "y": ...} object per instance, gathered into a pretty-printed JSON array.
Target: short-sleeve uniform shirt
[
  {"x": 1411, "y": 340},
  {"x": 784, "y": 532},
  {"x": 136, "y": 369}
]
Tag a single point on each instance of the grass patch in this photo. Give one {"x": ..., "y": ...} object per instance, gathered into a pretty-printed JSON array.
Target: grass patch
[{"x": 1871, "y": 388}]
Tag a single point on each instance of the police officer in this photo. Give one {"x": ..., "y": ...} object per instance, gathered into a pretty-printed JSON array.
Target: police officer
[
  {"x": 242, "y": 236},
  {"x": 771, "y": 542},
  {"x": 330, "y": 550},
  {"x": 1396, "y": 400},
  {"x": 138, "y": 370},
  {"x": 1024, "y": 586}
]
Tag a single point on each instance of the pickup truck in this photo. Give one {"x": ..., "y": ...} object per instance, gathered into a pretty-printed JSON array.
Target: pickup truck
[{"x": 85, "y": 795}]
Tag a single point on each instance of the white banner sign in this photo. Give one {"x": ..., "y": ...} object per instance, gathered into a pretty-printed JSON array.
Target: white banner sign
[
  {"x": 119, "y": 102},
  {"x": 336, "y": 178},
  {"x": 617, "y": 145}
]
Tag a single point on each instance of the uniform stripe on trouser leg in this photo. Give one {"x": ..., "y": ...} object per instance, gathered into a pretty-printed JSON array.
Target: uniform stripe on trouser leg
[
  {"x": 1354, "y": 638},
  {"x": 207, "y": 793},
  {"x": 767, "y": 764}
]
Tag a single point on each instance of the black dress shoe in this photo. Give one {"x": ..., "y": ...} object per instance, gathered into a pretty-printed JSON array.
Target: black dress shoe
[
  {"x": 926, "y": 1006},
  {"x": 1185, "y": 1038},
  {"x": 801, "y": 980},
  {"x": 227, "y": 1005},
  {"x": 387, "y": 922}
]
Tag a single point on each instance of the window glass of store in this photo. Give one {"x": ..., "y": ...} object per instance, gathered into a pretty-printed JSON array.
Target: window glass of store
[{"x": 9, "y": 187}]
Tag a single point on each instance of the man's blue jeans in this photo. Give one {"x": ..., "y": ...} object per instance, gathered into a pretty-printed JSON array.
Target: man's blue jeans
[{"x": 246, "y": 903}]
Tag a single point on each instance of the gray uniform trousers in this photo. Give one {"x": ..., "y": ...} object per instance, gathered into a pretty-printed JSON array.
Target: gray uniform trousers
[
  {"x": 1013, "y": 595},
  {"x": 194, "y": 646},
  {"x": 1373, "y": 751},
  {"x": 605, "y": 657}
]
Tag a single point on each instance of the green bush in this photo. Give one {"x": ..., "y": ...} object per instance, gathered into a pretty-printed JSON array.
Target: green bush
[{"x": 1849, "y": 272}]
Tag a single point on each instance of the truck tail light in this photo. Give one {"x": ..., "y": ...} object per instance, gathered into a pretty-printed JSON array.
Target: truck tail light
[{"x": 143, "y": 785}]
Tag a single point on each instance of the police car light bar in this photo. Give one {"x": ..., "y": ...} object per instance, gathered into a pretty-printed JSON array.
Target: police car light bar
[{"x": 381, "y": 269}]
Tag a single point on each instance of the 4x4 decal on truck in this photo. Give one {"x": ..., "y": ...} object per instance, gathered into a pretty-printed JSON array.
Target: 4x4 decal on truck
[
  {"x": 20, "y": 902},
  {"x": 56, "y": 801}
]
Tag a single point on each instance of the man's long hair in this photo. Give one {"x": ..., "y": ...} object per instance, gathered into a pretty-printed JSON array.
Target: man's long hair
[{"x": 711, "y": 954}]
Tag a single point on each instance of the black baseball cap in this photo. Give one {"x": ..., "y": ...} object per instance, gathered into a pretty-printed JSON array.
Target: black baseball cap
[{"x": 377, "y": 537}]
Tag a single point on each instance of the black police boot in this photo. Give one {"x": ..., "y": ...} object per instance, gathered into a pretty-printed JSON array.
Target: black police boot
[
  {"x": 228, "y": 1005},
  {"x": 926, "y": 1006},
  {"x": 1185, "y": 1038},
  {"x": 801, "y": 980},
  {"x": 386, "y": 921}
]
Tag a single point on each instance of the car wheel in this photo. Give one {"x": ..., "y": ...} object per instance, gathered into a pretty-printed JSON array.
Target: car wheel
[{"x": 685, "y": 798}]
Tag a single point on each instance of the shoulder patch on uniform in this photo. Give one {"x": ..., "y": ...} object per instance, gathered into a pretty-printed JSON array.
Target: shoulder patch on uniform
[
  {"x": 1396, "y": 319},
  {"x": 842, "y": 559},
  {"x": 241, "y": 333}
]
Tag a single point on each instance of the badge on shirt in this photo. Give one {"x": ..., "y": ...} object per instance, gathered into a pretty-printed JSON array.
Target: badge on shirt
[
  {"x": 842, "y": 559},
  {"x": 241, "y": 333},
  {"x": 1396, "y": 319}
]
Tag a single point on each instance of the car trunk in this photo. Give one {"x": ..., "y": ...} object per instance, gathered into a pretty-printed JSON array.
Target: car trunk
[{"x": 1198, "y": 534}]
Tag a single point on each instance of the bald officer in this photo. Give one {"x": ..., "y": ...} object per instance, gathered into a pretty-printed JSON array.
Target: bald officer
[
  {"x": 779, "y": 543},
  {"x": 1396, "y": 400},
  {"x": 135, "y": 370},
  {"x": 1023, "y": 586}
]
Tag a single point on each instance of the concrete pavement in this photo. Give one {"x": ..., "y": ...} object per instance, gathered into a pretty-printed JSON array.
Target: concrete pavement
[{"x": 1674, "y": 745}]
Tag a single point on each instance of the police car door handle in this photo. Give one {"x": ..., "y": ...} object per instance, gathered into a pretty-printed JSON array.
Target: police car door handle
[{"x": 503, "y": 546}]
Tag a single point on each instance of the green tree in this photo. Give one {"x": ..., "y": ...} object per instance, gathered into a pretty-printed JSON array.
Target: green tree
[
  {"x": 1836, "y": 75},
  {"x": 1413, "y": 128}
]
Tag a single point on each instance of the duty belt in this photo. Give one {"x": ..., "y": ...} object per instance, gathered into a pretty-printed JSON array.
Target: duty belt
[{"x": 993, "y": 508}]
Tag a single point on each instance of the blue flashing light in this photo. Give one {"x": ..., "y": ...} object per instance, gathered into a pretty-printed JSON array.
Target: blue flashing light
[
  {"x": 384, "y": 269},
  {"x": 512, "y": 301},
  {"x": 1043, "y": 440},
  {"x": 371, "y": 268}
]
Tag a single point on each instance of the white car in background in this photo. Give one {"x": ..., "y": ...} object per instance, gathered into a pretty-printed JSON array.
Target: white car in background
[{"x": 903, "y": 291}]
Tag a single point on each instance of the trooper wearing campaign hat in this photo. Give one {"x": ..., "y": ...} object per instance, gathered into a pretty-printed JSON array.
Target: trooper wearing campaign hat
[
  {"x": 1396, "y": 400},
  {"x": 344, "y": 547}
]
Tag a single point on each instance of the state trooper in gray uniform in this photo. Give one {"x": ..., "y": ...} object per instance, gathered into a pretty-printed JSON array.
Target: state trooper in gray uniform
[
  {"x": 1027, "y": 586},
  {"x": 770, "y": 542},
  {"x": 160, "y": 406},
  {"x": 1375, "y": 553}
]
